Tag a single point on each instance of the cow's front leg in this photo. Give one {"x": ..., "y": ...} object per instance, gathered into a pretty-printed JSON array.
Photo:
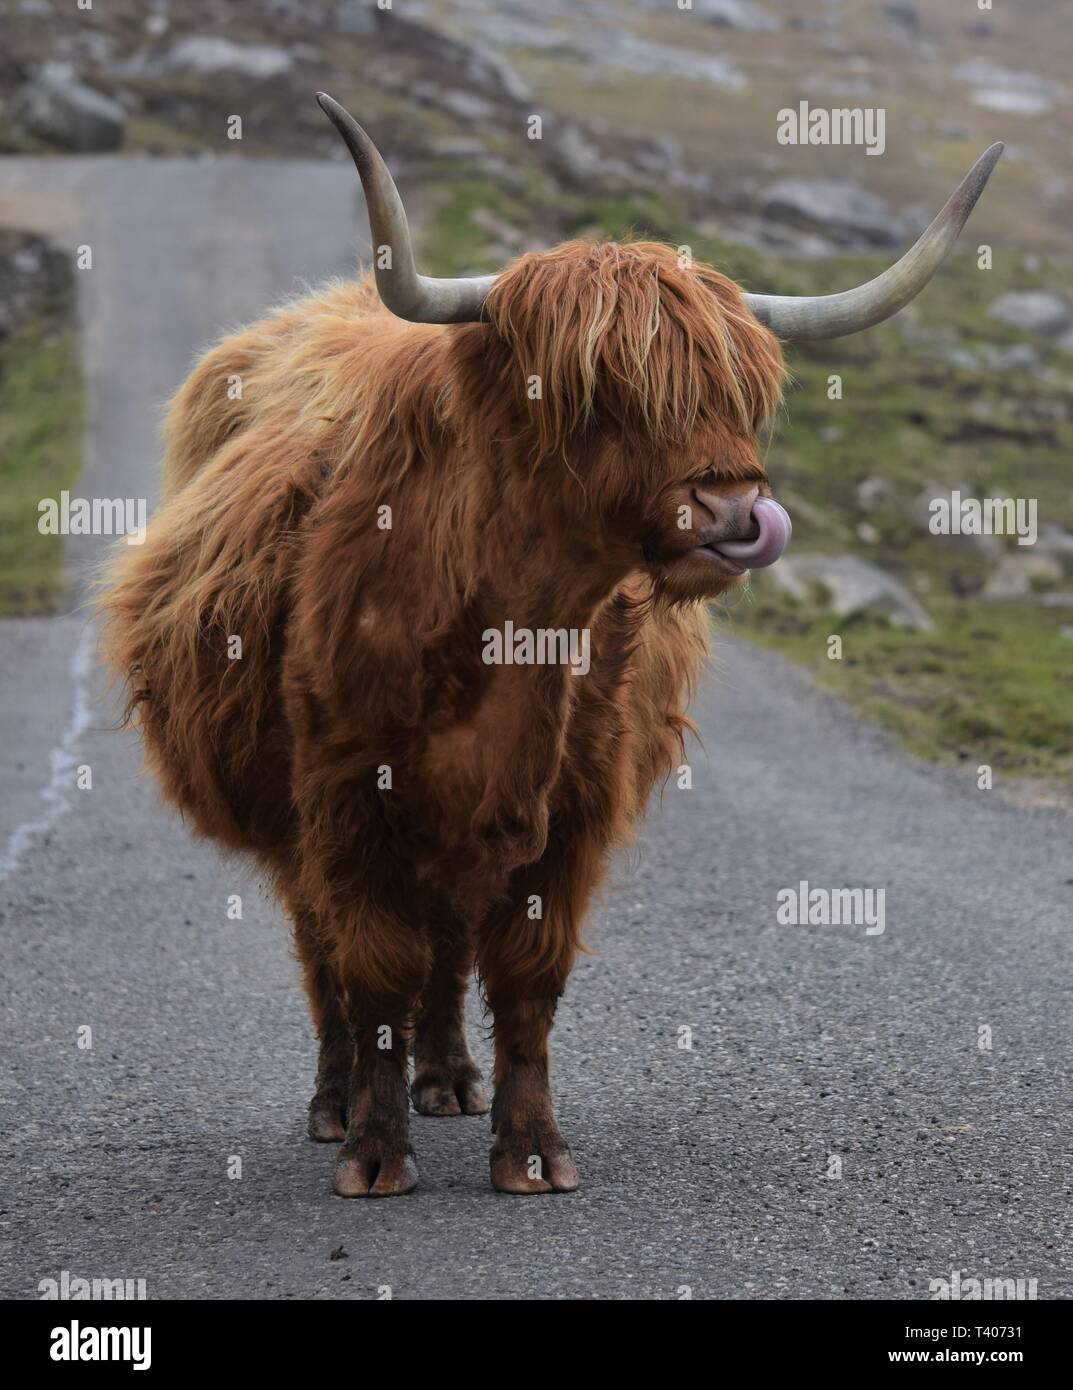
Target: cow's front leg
[
  {"x": 525, "y": 954},
  {"x": 529, "y": 1154},
  {"x": 382, "y": 963},
  {"x": 377, "y": 1158}
]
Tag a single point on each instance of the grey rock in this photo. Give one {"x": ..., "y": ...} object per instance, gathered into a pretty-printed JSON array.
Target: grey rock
[
  {"x": 357, "y": 21},
  {"x": 954, "y": 130},
  {"x": 467, "y": 106},
  {"x": 738, "y": 14},
  {"x": 1054, "y": 540},
  {"x": 1065, "y": 340},
  {"x": 851, "y": 586},
  {"x": 1033, "y": 311},
  {"x": 959, "y": 356},
  {"x": 1016, "y": 575},
  {"x": 835, "y": 207},
  {"x": 873, "y": 492},
  {"x": 905, "y": 16},
  {"x": 1002, "y": 89},
  {"x": 727, "y": 14},
  {"x": 1018, "y": 358},
  {"x": 31, "y": 271},
  {"x": 576, "y": 154},
  {"x": 456, "y": 147},
  {"x": 205, "y": 54},
  {"x": 624, "y": 49},
  {"x": 474, "y": 62},
  {"x": 60, "y": 109}
]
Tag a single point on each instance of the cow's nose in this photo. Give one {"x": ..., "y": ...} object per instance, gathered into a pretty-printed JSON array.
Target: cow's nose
[{"x": 725, "y": 512}]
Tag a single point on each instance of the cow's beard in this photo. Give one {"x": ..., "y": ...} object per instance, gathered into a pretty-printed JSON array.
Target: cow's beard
[{"x": 693, "y": 574}]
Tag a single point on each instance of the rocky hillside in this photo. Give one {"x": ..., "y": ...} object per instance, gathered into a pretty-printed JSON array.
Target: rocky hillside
[{"x": 633, "y": 93}]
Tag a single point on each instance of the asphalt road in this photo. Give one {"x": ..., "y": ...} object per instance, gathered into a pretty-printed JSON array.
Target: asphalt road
[{"x": 706, "y": 1168}]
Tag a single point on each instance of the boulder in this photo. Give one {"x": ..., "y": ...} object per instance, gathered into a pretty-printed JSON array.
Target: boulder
[
  {"x": 620, "y": 48},
  {"x": 1017, "y": 92},
  {"x": 1017, "y": 575},
  {"x": 1019, "y": 357},
  {"x": 31, "y": 272},
  {"x": 738, "y": 14},
  {"x": 1033, "y": 311},
  {"x": 578, "y": 156},
  {"x": 850, "y": 586},
  {"x": 835, "y": 207},
  {"x": 205, "y": 54},
  {"x": 874, "y": 492},
  {"x": 1056, "y": 541},
  {"x": 475, "y": 63},
  {"x": 904, "y": 18},
  {"x": 60, "y": 109}
]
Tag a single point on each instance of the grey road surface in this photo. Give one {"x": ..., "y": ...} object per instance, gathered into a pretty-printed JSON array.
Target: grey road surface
[{"x": 837, "y": 1127}]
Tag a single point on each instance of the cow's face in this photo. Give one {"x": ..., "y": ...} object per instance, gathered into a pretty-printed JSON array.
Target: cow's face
[{"x": 643, "y": 383}]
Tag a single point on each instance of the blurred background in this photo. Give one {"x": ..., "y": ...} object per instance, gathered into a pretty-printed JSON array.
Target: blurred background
[{"x": 657, "y": 121}]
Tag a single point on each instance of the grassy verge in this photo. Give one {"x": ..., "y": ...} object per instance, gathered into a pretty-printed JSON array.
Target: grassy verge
[
  {"x": 40, "y": 449},
  {"x": 990, "y": 684}
]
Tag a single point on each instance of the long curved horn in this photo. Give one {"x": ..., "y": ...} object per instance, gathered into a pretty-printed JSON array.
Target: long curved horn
[
  {"x": 835, "y": 315},
  {"x": 411, "y": 296}
]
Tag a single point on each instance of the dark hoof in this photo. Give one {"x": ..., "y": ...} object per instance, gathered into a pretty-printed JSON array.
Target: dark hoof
[
  {"x": 358, "y": 1173},
  {"x": 436, "y": 1093},
  {"x": 525, "y": 1174}
]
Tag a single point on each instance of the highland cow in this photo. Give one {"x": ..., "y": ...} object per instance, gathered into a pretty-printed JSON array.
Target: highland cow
[{"x": 411, "y": 466}]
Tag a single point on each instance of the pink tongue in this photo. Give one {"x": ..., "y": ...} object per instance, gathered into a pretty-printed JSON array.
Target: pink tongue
[{"x": 774, "y": 526}]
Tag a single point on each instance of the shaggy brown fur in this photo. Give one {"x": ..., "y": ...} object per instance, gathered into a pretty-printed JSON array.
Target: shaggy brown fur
[{"x": 381, "y": 496}]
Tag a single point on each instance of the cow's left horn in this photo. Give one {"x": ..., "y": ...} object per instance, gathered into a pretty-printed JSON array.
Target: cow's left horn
[
  {"x": 405, "y": 292},
  {"x": 835, "y": 315}
]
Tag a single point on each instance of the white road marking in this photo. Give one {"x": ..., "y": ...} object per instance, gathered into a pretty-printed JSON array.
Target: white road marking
[{"x": 56, "y": 794}]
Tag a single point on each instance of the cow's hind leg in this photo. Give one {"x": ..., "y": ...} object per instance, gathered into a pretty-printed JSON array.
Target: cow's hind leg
[
  {"x": 447, "y": 1081},
  {"x": 327, "y": 1109}
]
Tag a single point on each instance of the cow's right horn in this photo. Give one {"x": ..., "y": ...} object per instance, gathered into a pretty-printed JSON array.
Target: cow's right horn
[{"x": 406, "y": 293}]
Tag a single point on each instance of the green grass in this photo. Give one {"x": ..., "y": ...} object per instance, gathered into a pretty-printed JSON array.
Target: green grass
[
  {"x": 991, "y": 684},
  {"x": 40, "y": 451}
]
